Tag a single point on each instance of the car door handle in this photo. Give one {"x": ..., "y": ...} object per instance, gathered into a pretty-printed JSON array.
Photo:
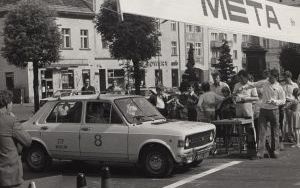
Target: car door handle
[
  {"x": 44, "y": 127},
  {"x": 85, "y": 128}
]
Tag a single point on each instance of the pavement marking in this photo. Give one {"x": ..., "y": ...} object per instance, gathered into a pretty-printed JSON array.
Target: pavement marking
[{"x": 197, "y": 176}]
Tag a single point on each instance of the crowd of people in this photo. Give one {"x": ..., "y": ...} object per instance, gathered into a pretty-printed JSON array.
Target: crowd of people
[{"x": 269, "y": 102}]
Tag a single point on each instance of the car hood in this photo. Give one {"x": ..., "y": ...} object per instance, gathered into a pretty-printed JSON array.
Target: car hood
[{"x": 181, "y": 127}]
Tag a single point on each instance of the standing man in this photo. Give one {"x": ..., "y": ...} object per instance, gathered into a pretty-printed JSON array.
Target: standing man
[
  {"x": 272, "y": 97},
  {"x": 87, "y": 89},
  {"x": 158, "y": 99},
  {"x": 245, "y": 98},
  {"x": 217, "y": 87},
  {"x": 12, "y": 139},
  {"x": 285, "y": 126}
]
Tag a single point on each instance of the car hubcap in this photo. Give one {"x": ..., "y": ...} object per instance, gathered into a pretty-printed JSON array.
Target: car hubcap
[
  {"x": 36, "y": 158},
  {"x": 155, "y": 162}
]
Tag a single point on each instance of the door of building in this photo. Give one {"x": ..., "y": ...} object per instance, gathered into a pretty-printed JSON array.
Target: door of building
[
  {"x": 102, "y": 80},
  {"x": 174, "y": 77}
]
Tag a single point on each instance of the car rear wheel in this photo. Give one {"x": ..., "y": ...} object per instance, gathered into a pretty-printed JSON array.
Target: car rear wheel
[
  {"x": 158, "y": 162},
  {"x": 37, "y": 158}
]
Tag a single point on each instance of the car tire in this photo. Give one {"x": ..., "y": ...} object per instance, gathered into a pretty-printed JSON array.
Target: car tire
[
  {"x": 158, "y": 162},
  {"x": 37, "y": 158}
]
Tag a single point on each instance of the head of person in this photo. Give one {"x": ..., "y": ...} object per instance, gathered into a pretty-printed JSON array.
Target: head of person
[
  {"x": 159, "y": 89},
  {"x": 87, "y": 82},
  {"x": 296, "y": 93},
  {"x": 114, "y": 83},
  {"x": 205, "y": 86},
  {"x": 287, "y": 76},
  {"x": 265, "y": 74},
  {"x": 243, "y": 76},
  {"x": 273, "y": 76},
  {"x": 216, "y": 77},
  {"x": 226, "y": 91},
  {"x": 191, "y": 87},
  {"x": 251, "y": 77},
  {"x": 6, "y": 100}
]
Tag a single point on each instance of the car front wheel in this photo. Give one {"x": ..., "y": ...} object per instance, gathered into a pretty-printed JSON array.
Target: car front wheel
[
  {"x": 37, "y": 158},
  {"x": 158, "y": 162}
]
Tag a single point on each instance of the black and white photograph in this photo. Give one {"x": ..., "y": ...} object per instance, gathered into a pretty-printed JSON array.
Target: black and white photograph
[{"x": 149, "y": 93}]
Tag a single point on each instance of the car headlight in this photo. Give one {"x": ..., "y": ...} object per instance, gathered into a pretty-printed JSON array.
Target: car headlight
[
  {"x": 187, "y": 143},
  {"x": 211, "y": 136}
]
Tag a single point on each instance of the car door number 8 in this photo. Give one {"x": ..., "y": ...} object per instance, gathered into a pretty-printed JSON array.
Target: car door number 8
[{"x": 98, "y": 140}]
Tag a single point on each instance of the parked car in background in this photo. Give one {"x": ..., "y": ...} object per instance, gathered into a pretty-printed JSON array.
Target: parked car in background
[
  {"x": 115, "y": 128},
  {"x": 57, "y": 94}
]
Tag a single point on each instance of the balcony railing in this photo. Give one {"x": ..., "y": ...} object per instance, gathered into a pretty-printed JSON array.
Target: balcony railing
[
  {"x": 246, "y": 44},
  {"x": 215, "y": 44}
]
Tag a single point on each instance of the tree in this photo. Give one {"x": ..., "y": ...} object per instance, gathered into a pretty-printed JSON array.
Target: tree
[
  {"x": 225, "y": 66},
  {"x": 134, "y": 39},
  {"x": 190, "y": 74},
  {"x": 289, "y": 59},
  {"x": 31, "y": 35}
]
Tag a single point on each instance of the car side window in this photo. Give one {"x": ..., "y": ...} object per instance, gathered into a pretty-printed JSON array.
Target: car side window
[
  {"x": 115, "y": 118},
  {"x": 66, "y": 112},
  {"x": 98, "y": 112}
]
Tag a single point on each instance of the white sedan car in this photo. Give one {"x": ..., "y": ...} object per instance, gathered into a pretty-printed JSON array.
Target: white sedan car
[{"x": 115, "y": 128}]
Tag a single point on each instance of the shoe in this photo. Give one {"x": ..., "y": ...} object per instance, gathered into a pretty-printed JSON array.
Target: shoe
[{"x": 293, "y": 146}]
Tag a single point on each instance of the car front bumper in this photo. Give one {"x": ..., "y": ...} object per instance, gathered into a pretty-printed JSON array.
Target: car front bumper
[{"x": 196, "y": 154}]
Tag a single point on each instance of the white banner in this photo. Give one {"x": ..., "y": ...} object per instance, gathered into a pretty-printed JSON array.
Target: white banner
[{"x": 254, "y": 17}]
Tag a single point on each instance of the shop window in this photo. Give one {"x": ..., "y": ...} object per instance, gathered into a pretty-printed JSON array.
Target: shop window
[
  {"x": 9, "y": 78},
  {"x": 84, "y": 39},
  {"x": 67, "y": 78},
  {"x": 47, "y": 83},
  {"x": 66, "y": 36},
  {"x": 116, "y": 74}
]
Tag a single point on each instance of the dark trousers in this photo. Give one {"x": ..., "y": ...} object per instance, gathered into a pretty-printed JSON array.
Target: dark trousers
[
  {"x": 192, "y": 114},
  {"x": 266, "y": 116}
]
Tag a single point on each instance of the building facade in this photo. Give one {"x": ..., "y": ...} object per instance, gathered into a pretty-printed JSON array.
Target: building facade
[{"x": 85, "y": 55}]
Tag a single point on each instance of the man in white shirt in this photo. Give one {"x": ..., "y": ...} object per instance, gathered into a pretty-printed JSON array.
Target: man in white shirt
[
  {"x": 273, "y": 96},
  {"x": 245, "y": 98},
  {"x": 217, "y": 85}
]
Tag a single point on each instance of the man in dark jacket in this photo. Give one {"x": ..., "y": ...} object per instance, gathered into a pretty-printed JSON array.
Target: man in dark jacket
[{"x": 11, "y": 135}]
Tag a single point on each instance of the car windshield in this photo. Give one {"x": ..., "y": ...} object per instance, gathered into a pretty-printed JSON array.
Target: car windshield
[{"x": 138, "y": 110}]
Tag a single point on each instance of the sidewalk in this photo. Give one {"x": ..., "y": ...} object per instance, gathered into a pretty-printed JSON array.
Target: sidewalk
[{"x": 23, "y": 111}]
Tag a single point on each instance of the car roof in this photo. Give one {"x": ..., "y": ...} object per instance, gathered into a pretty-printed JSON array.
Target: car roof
[{"x": 109, "y": 97}]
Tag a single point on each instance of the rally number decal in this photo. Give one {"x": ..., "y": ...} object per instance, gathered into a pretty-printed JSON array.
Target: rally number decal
[{"x": 98, "y": 140}]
